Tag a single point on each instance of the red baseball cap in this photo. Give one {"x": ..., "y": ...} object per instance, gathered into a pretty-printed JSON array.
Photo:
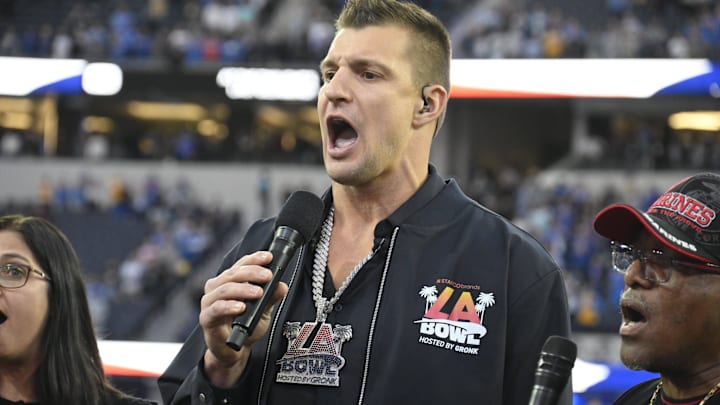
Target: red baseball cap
[{"x": 684, "y": 218}]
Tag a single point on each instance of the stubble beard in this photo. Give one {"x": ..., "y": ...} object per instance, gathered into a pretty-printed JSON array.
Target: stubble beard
[{"x": 357, "y": 175}]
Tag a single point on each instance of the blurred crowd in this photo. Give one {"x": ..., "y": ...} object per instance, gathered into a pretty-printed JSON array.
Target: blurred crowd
[
  {"x": 594, "y": 29},
  {"x": 634, "y": 142},
  {"x": 299, "y": 31},
  {"x": 560, "y": 217},
  {"x": 151, "y": 239}
]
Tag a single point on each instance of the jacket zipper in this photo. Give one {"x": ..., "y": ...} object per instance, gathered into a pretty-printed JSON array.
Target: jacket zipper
[
  {"x": 381, "y": 289},
  {"x": 275, "y": 321}
]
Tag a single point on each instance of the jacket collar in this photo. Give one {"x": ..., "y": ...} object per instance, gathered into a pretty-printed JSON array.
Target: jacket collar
[{"x": 428, "y": 190}]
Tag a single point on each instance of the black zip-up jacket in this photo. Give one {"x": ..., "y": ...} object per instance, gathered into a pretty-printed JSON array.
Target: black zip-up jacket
[{"x": 454, "y": 307}]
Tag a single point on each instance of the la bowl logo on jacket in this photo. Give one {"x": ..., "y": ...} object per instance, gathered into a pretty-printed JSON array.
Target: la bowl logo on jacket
[{"x": 453, "y": 316}]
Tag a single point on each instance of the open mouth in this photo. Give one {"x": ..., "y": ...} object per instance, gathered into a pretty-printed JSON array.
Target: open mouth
[
  {"x": 3, "y": 318},
  {"x": 631, "y": 314},
  {"x": 341, "y": 133}
]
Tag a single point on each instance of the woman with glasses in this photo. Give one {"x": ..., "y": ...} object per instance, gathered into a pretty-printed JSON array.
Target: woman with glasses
[
  {"x": 48, "y": 350},
  {"x": 670, "y": 258}
]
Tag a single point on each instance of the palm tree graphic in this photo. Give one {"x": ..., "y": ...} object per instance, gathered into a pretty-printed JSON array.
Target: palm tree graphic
[
  {"x": 341, "y": 334},
  {"x": 291, "y": 330},
  {"x": 429, "y": 292},
  {"x": 484, "y": 300}
]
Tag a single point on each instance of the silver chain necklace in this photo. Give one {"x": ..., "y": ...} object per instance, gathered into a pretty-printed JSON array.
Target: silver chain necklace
[
  {"x": 709, "y": 395},
  {"x": 323, "y": 306}
]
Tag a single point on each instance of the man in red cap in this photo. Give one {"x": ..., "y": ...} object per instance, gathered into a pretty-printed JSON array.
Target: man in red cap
[{"x": 670, "y": 258}]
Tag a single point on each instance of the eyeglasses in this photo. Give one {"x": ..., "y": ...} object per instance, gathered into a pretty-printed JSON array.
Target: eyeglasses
[
  {"x": 654, "y": 264},
  {"x": 16, "y": 275}
]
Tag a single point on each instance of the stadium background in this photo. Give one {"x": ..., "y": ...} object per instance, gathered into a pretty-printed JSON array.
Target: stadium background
[{"x": 154, "y": 183}]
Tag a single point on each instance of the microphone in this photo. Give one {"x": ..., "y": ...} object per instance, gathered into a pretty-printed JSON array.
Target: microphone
[
  {"x": 553, "y": 370},
  {"x": 297, "y": 222}
]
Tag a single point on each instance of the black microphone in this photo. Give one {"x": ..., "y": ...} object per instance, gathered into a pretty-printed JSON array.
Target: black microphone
[
  {"x": 297, "y": 222},
  {"x": 553, "y": 370}
]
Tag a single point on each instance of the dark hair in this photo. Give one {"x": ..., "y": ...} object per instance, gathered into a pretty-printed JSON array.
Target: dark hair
[
  {"x": 70, "y": 370},
  {"x": 431, "y": 50}
]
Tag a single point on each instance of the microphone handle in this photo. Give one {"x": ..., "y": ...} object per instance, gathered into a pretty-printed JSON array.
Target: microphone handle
[
  {"x": 283, "y": 247},
  {"x": 543, "y": 396}
]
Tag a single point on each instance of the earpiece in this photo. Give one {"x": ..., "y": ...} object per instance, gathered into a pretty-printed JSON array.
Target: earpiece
[{"x": 426, "y": 106}]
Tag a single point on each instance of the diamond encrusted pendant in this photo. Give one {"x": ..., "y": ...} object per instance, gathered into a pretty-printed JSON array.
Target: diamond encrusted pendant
[{"x": 317, "y": 362}]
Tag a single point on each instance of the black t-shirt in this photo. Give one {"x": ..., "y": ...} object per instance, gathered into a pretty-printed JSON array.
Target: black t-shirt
[
  {"x": 641, "y": 394},
  {"x": 354, "y": 309}
]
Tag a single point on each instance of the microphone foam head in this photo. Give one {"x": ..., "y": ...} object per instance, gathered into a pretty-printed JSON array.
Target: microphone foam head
[
  {"x": 303, "y": 212},
  {"x": 555, "y": 363},
  {"x": 561, "y": 346}
]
